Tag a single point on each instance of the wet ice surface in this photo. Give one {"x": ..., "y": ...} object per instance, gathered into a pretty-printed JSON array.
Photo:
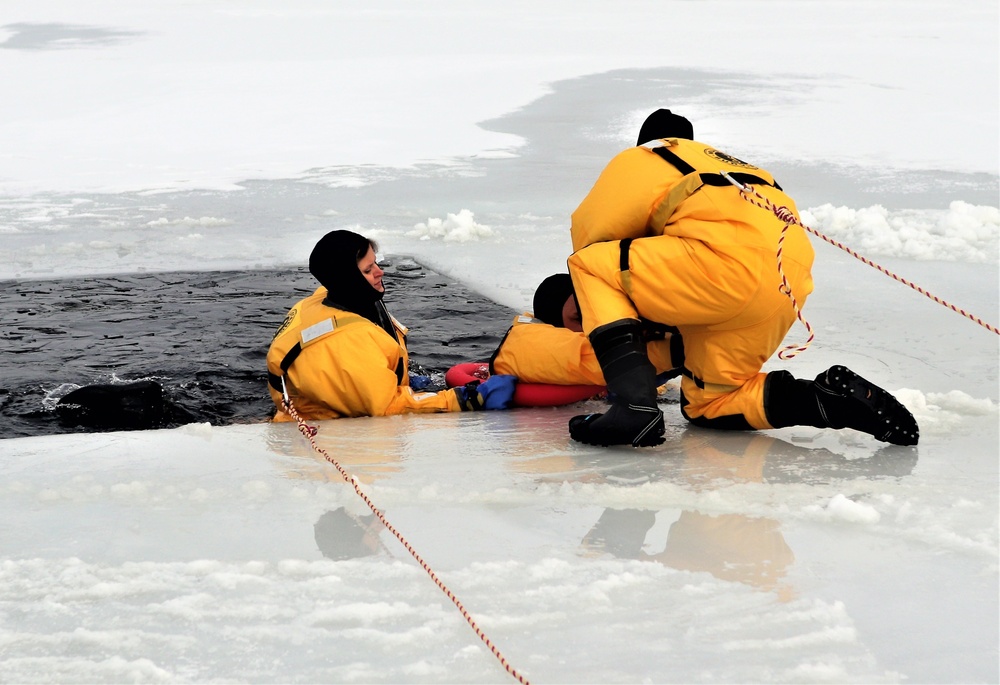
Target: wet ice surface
[{"x": 785, "y": 557}]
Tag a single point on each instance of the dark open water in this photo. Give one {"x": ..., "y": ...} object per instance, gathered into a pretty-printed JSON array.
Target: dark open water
[{"x": 202, "y": 337}]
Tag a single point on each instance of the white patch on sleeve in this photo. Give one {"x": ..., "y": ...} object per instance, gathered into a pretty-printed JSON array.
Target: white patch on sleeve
[
  {"x": 421, "y": 396},
  {"x": 524, "y": 318},
  {"x": 316, "y": 330}
]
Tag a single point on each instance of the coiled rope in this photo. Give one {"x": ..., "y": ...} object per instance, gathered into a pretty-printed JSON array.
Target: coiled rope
[
  {"x": 750, "y": 195},
  {"x": 310, "y": 434}
]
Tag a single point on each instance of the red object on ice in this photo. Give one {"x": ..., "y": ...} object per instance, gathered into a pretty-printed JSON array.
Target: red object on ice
[{"x": 525, "y": 394}]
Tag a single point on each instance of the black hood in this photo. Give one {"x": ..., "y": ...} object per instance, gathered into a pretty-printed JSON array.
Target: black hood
[
  {"x": 664, "y": 124},
  {"x": 334, "y": 263},
  {"x": 550, "y": 298}
]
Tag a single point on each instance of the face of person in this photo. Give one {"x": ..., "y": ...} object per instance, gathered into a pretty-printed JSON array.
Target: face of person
[
  {"x": 371, "y": 270},
  {"x": 571, "y": 315}
]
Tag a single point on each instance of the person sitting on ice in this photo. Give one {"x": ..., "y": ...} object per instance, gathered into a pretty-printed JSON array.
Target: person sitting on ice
[
  {"x": 664, "y": 236},
  {"x": 547, "y": 345},
  {"x": 339, "y": 353}
]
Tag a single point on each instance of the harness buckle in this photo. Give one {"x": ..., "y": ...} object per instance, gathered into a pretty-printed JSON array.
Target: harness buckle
[{"x": 745, "y": 188}]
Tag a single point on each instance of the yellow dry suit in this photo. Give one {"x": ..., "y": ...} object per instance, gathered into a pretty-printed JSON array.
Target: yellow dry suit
[
  {"x": 663, "y": 235},
  {"x": 335, "y": 363},
  {"x": 537, "y": 352}
]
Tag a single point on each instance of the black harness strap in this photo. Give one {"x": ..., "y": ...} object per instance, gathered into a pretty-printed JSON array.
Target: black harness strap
[
  {"x": 624, "y": 246},
  {"x": 672, "y": 159},
  {"x": 710, "y": 179},
  {"x": 274, "y": 382},
  {"x": 719, "y": 180},
  {"x": 658, "y": 331},
  {"x": 677, "y": 349},
  {"x": 496, "y": 352},
  {"x": 291, "y": 356}
]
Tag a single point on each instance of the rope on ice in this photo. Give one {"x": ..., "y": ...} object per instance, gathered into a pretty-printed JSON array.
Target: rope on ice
[
  {"x": 783, "y": 213},
  {"x": 310, "y": 434}
]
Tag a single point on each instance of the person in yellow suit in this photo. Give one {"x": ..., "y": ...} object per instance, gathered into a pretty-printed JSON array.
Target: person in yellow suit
[
  {"x": 548, "y": 344},
  {"x": 664, "y": 236},
  {"x": 339, "y": 353}
]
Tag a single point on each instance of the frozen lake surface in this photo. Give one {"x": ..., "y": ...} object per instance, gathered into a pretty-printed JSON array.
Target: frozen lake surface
[{"x": 211, "y": 138}]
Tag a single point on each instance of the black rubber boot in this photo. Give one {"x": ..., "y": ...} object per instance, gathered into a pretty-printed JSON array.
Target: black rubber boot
[
  {"x": 633, "y": 419},
  {"x": 838, "y": 398},
  {"x": 847, "y": 400}
]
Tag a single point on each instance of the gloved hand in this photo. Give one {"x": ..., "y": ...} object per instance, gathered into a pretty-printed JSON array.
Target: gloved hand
[
  {"x": 420, "y": 382},
  {"x": 496, "y": 392}
]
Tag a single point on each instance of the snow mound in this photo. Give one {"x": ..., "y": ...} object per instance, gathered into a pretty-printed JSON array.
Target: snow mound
[{"x": 461, "y": 227}]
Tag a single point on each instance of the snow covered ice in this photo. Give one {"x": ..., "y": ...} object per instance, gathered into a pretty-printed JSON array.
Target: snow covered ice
[{"x": 209, "y": 136}]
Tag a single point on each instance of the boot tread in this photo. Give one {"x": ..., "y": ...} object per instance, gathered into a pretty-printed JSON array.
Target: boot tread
[{"x": 870, "y": 408}]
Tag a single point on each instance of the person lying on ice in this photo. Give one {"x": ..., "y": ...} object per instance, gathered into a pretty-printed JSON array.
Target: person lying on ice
[
  {"x": 662, "y": 235},
  {"x": 548, "y": 344},
  {"x": 340, "y": 353}
]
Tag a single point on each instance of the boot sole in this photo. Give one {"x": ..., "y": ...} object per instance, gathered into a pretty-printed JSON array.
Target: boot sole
[
  {"x": 647, "y": 437},
  {"x": 897, "y": 425}
]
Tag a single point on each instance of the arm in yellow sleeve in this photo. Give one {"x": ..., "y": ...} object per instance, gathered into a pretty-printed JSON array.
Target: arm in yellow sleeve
[{"x": 353, "y": 373}]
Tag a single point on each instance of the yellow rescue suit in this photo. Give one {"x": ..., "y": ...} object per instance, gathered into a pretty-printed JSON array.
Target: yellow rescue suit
[
  {"x": 662, "y": 235},
  {"x": 339, "y": 364},
  {"x": 537, "y": 352}
]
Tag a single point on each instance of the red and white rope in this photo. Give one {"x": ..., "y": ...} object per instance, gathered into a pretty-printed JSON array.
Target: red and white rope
[
  {"x": 748, "y": 193},
  {"x": 310, "y": 434},
  {"x": 790, "y": 351}
]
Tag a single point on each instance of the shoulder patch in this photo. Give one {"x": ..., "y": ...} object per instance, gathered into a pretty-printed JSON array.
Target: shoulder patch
[
  {"x": 286, "y": 323},
  {"x": 316, "y": 330},
  {"x": 727, "y": 159}
]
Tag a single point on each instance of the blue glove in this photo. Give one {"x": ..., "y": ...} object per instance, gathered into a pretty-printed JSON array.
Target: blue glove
[
  {"x": 496, "y": 392},
  {"x": 420, "y": 382}
]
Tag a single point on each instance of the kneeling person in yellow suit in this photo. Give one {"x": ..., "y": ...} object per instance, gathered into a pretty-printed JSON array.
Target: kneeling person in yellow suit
[
  {"x": 664, "y": 236},
  {"x": 339, "y": 353},
  {"x": 548, "y": 345}
]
